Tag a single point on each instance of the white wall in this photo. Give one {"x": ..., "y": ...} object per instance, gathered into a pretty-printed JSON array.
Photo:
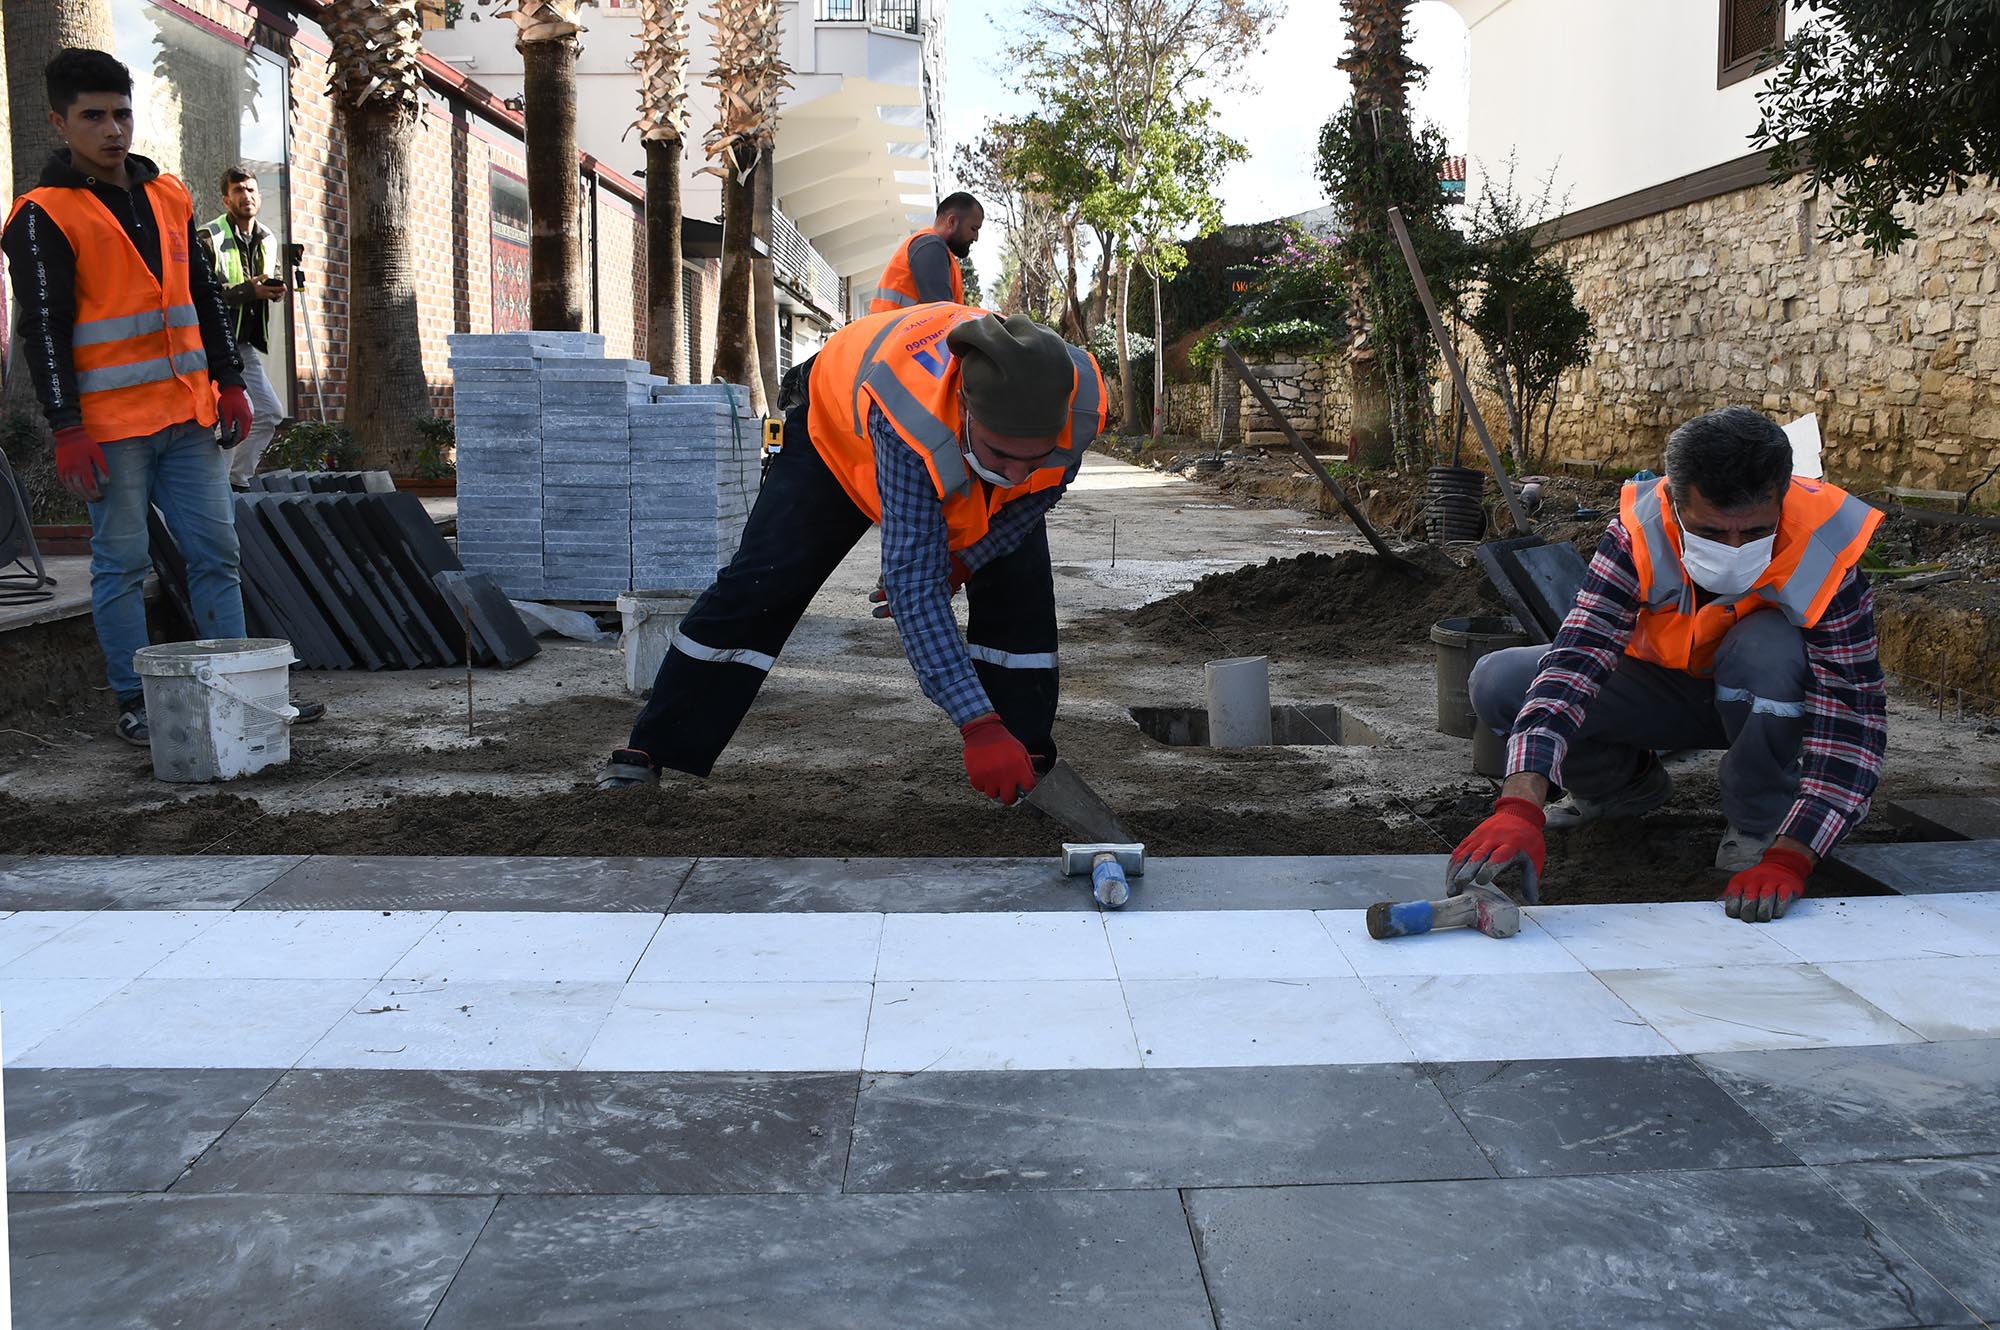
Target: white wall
[{"x": 1614, "y": 95}]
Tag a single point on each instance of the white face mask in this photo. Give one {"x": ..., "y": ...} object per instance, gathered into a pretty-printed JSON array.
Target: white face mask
[
  {"x": 990, "y": 477},
  {"x": 1726, "y": 570}
]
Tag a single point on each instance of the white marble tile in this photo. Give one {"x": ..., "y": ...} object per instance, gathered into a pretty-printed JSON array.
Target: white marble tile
[
  {"x": 1976, "y": 912},
  {"x": 112, "y": 944},
  {"x": 24, "y": 930},
  {"x": 201, "y": 1023},
  {"x": 998, "y": 1026},
  {"x": 1496, "y": 1017},
  {"x": 1452, "y": 951},
  {"x": 33, "y": 1009},
  {"x": 995, "y": 947},
  {"x": 1736, "y": 1008},
  {"x": 530, "y": 947},
  {"x": 469, "y": 1025},
  {"x": 1260, "y": 1022},
  {"x": 722, "y": 1026},
  {"x": 1875, "y": 928},
  {"x": 1657, "y": 937},
  {"x": 1223, "y": 944},
  {"x": 299, "y": 944},
  {"x": 1940, "y": 999},
  {"x": 763, "y": 948}
]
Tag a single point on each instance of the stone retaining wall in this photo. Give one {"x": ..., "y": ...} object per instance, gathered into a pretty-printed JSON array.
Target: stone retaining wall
[{"x": 1313, "y": 391}]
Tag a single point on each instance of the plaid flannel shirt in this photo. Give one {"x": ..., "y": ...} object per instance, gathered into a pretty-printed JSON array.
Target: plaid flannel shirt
[{"x": 1846, "y": 704}]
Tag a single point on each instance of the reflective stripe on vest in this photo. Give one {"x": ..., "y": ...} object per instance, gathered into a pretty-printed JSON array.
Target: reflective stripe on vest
[
  {"x": 1667, "y": 586},
  {"x": 140, "y": 371},
  {"x": 884, "y": 296},
  {"x": 134, "y": 325}
]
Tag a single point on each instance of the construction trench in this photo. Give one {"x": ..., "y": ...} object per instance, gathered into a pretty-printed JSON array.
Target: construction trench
[{"x": 842, "y": 755}]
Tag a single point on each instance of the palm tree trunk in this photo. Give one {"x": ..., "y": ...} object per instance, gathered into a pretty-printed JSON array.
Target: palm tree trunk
[
  {"x": 555, "y": 185},
  {"x": 666, "y": 305},
  {"x": 386, "y": 388},
  {"x": 735, "y": 326},
  {"x": 764, "y": 276}
]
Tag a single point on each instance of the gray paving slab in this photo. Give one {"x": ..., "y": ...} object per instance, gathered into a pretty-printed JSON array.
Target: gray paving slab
[
  {"x": 415, "y": 882},
  {"x": 1944, "y": 1213},
  {"x": 1604, "y": 1115},
  {"x": 118, "y": 1129},
  {"x": 1048, "y": 1260},
  {"x": 1201, "y": 1127},
  {"x": 236, "y": 1262},
  {"x": 1972, "y": 818},
  {"x": 1766, "y": 1247},
  {"x": 1221, "y": 882},
  {"x": 139, "y": 882},
  {"x": 585, "y": 1133},
  {"x": 1918, "y": 868},
  {"x": 1886, "y": 1101}
]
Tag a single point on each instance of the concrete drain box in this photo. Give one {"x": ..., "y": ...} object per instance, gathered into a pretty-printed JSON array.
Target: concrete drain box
[{"x": 1292, "y": 724}]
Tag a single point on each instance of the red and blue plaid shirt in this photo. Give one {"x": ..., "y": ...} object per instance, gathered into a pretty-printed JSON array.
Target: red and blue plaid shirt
[{"x": 1847, "y": 728}]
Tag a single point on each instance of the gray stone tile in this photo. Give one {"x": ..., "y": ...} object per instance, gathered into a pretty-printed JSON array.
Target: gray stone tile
[
  {"x": 1603, "y": 1115},
  {"x": 1048, "y": 1260},
  {"x": 1918, "y": 868},
  {"x": 391, "y": 882},
  {"x": 1945, "y": 1213},
  {"x": 1764, "y": 1247},
  {"x": 1951, "y": 819},
  {"x": 1886, "y": 1101},
  {"x": 118, "y": 1129},
  {"x": 139, "y": 882},
  {"x": 1202, "y": 1127},
  {"x": 235, "y": 1262},
  {"x": 537, "y": 1132},
  {"x": 957, "y": 885}
]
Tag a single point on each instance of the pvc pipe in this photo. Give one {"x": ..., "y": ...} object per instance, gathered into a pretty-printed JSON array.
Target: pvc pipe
[{"x": 1239, "y": 702}]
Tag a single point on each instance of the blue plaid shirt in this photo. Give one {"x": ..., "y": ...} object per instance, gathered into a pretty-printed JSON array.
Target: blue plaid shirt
[{"x": 916, "y": 567}]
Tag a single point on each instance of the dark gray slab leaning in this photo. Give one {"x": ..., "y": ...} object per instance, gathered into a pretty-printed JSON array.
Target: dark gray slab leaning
[
  {"x": 1944, "y": 1212},
  {"x": 138, "y": 882},
  {"x": 118, "y": 1129},
  {"x": 413, "y": 882},
  {"x": 1885, "y": 1101},
  {"x": 235, "y": 1262},
  {"x": 1219, "y": 882},
  {"x": 584, "y": 1133},
  {"x": 1760, "y": 1247},
  {"x": 1924, "y": 867},
  {"x": 1967, "y": 818},
  {"x": 1049, "y": 1260},
  {"x": 1129, "y": 1129}
]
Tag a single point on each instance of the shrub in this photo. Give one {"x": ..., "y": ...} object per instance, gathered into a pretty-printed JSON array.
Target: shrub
[{"x": 313, "y": 445}]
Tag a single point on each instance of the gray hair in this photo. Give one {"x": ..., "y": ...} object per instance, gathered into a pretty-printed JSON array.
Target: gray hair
[{"x": 1736, "y": 457}]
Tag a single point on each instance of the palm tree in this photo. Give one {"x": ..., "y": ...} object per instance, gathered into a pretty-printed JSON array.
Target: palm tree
[
  {"x": 548, "y": 46},
  {"x": 377, "y": 86},
  {"x": 748, "y": 77},
  {"x": 662, "y": 62}
]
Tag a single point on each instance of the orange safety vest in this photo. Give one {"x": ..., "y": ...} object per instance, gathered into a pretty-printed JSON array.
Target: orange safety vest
[
  {"x": 1822, "y": 532},
  {"x": 899, "y": 362},
  {"x": 136, "y": 344},
  {"x": 897, "y": 287}
]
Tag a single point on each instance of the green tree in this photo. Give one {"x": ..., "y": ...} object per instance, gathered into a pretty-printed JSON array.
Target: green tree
[
  {"x": 1886, "y": 103},
  {"x": 975, "y": 294}
]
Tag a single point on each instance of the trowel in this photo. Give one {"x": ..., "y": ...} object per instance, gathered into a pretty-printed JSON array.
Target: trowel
[{"x": 1104, "y": 849}]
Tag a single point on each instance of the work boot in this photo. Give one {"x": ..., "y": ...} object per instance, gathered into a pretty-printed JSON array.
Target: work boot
[
  {"x": 1646, "y": 791},
  {"x": 1741, "y": 849},
  {"x": 308, "y": 711},
  {"x": 627, "y": 767},
  {"x": 132, "y": 727}
]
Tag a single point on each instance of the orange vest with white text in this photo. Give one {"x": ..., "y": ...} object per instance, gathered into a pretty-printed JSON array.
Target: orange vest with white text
[
  {"x": 899, "y": 362},
  {"x": 136, "y": 344},
  {"x": 1822, "y": 533},
  {"x": 897, "y": 287}
]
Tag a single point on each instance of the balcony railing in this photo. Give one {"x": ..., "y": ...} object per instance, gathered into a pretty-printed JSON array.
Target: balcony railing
[
  {"x": 800, "y": 264},
  {"x": 898, "y": 15}
]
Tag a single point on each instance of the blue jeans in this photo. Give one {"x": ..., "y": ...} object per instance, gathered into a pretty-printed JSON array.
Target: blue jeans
[{"x": 181, "y": 472}]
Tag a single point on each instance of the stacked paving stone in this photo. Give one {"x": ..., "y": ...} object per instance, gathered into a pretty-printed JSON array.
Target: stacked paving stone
[{"x": 580, "y": 478}]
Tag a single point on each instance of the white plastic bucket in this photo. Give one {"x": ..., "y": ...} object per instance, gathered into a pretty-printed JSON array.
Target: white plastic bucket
[
  {"x": 647, "y": 620},
  {"x": 218, "y": 708},
  {"x": 1239, "y": 702}
]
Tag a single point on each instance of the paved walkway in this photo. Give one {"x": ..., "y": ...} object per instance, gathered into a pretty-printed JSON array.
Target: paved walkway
[{"x": 553, "y": 1092}]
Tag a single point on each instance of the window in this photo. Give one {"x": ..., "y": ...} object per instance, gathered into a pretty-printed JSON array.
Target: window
[
  {"x": 1749, "y": 29},
  {"x": 508, "y": 195}
]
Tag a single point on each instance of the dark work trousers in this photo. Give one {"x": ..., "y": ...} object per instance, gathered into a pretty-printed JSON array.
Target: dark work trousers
[
  {"x": 1754, "y": 706},
  {"x": 801, "y": 527}
]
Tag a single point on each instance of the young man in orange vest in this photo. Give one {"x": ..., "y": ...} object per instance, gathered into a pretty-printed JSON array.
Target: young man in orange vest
[
  {"x": 1724, "y": 609},
  {"x": 925, "y": 267},
  {"x": 955, "y": 431},
  {"x": 123, "y": 330}
]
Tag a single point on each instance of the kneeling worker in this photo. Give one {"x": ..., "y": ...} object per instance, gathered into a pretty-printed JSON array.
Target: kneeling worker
[
  {"x": 1723, "y": 609},
  {"x": 956, "y": 431}
]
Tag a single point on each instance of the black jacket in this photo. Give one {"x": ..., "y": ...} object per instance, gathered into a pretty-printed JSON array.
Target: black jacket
[{"x": 44, "y": 269}]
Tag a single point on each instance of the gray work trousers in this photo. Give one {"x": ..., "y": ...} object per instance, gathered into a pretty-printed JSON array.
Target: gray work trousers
[{"x": 1754, "y": 706}]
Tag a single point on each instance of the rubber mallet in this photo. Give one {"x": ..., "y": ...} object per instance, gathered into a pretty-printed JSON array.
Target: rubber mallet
[{"x": 1487, "y": 909}]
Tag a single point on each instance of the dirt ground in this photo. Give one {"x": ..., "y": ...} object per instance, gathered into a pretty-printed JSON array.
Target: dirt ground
[{"x": 842, "y": 756}]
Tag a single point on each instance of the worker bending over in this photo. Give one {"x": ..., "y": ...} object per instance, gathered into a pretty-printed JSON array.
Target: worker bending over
[{"x": 1724, "y": 609}]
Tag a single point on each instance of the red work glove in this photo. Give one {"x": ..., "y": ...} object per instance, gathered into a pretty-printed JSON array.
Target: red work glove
[
  {"x": 1511, "y": 835},
  {"x": 995, "y": 760},
  {"x": 80, "y": 463},
  {"x": 1766, "y": 889},
  {"x": 879, "y": 597},
  {"x": 235, "y": 411}
]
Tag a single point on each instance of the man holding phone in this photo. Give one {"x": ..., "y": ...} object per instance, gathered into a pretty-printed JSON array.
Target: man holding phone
[{"x": 241, "y": 250}]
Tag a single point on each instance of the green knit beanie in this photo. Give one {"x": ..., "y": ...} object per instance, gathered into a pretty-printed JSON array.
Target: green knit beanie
[{"x": 1017, "y": 374}]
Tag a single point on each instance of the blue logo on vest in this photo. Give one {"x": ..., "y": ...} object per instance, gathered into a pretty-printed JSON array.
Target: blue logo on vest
[{"x": 932, "y": 361}]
